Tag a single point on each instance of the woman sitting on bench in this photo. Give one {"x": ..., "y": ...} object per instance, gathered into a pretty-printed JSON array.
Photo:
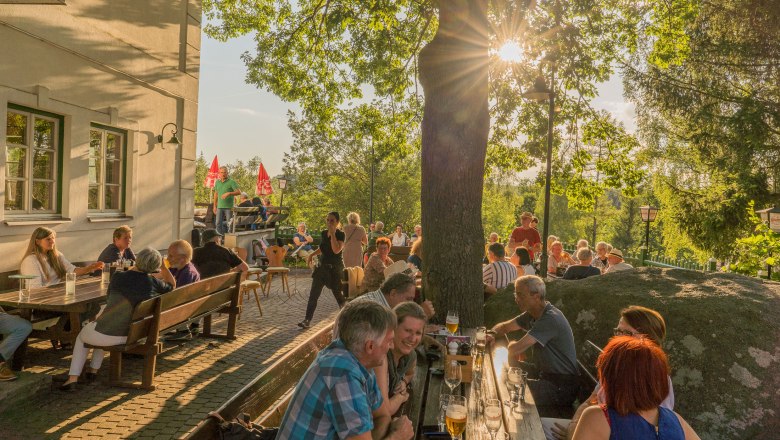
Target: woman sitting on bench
[
  {"x": 148, "y": 278},
  {"x": 43, "y": 260},
  {"x": 395, "y": 376}
]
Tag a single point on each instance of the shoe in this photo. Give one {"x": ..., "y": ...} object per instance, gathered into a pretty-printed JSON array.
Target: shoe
[
  {"x": 181, "y": 335},
  {"x": 68, "y": 387},
  {"x": 84, "y": 379},
  {"x": 304, "y": 324},
  {"x": 6, "y": 374}
]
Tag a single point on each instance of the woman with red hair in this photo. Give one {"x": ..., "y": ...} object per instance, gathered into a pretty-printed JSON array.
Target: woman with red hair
[
  {"x": 374, "y": 272},
  {"x": 634, "y": 375}
]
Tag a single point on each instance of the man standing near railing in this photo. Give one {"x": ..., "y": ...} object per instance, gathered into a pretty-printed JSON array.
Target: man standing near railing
[{"x": 224, "y": 191}]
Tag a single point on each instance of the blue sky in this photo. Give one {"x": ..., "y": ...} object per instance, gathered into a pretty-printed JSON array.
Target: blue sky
[{"x": 238, "y": 121}]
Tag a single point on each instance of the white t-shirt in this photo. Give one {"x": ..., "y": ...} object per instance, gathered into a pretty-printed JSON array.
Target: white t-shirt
[
  {"x": 399, "y": 240},
  {"x": 31, "y": 266}
]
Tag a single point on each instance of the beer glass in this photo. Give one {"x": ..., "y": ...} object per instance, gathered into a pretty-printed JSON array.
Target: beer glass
[
  {"x": 444, "y": 400},
  {"x": 452, "y": 322},
  {"x": 457, "y": 412},
  {"x": 492, "y": 416},
  {"x": 481, "y": 338},
  {"x": 452, "y": 375},
  {"x": 515, "y": 378}
]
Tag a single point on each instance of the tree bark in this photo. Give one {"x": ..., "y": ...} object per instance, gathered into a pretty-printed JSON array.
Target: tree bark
[{"x": 455, "y": 128}]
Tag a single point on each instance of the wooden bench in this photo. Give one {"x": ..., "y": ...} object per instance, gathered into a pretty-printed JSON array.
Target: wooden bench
[
  {"x": 165, "y": 312},
  {"x": 265, "y": 399}
]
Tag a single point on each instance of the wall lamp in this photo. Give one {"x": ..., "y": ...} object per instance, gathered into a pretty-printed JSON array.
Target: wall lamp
[{"x": 174, "y": 140}]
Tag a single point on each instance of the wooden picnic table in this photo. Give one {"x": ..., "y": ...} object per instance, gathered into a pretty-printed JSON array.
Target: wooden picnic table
[{"x": 52, "y": 298}]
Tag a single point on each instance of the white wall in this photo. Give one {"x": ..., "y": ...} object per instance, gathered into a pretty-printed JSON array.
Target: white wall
[{"x": 132, "y": 65}]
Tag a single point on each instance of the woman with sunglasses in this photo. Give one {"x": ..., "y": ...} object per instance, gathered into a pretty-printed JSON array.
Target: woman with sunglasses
[
  {"x": 330, "y": 268},
  {"x": 637, "y": 322}
]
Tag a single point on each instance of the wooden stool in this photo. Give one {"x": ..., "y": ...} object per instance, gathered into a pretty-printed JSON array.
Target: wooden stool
[{"x": 252, "y": 285}]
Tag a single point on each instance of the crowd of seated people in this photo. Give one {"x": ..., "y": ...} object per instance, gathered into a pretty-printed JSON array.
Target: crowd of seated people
[{"x": 144, "y": 276}]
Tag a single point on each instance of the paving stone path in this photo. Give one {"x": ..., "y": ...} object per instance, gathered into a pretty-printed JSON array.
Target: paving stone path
[{"x": 192, "y": 378}]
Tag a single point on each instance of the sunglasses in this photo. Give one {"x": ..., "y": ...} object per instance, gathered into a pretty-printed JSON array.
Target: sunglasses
[{"x": 622, "y": 332}]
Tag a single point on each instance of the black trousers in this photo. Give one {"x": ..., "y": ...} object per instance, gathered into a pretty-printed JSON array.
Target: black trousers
[{"x": 325, "y": 275}]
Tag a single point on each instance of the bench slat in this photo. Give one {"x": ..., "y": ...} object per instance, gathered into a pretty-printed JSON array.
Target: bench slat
[{"x": 201, "y": 306}]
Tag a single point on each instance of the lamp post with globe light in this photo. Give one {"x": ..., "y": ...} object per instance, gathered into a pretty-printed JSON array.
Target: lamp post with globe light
[{"x": 511, "y": 52}]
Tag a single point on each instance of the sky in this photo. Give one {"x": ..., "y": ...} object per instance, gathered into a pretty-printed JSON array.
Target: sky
[{"x": 238, "y": 121}]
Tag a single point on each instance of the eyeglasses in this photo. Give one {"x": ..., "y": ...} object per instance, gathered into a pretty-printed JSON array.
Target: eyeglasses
[{"x": 622, "y": 332}]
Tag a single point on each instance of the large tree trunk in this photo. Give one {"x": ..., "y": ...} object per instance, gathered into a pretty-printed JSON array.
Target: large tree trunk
[{"x": 454, "y": 76}]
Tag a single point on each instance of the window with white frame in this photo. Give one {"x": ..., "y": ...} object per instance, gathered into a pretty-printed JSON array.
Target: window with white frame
[
  {"x": 106, "y": 169},
  {"x": 33, "y": 161}
]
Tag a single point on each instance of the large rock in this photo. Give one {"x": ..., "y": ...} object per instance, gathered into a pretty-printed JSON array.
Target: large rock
[{"x": 723, "y": 339}]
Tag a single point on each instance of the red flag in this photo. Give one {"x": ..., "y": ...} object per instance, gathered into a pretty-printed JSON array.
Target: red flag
[
  {"x": 213, "y": 174},
  {"x": 263, "y": 182}
]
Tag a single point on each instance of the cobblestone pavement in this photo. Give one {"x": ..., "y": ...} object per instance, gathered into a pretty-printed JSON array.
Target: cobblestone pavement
[{"x": 192, "y": 378}]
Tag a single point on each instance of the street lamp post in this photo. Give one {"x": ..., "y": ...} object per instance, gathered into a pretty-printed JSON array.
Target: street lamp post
[
  {"x": 371, "y": 196},
  {"x": 648, "y": 215},
  {"x": 540, "y": 92},
  {"x": 770, "y": 216},
  {"x": 282, "y": 186}
]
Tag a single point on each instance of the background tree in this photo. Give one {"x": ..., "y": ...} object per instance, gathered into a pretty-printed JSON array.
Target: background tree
[
  {"x": 322, "y": 54},
  {"x": 706, "y": 80}
]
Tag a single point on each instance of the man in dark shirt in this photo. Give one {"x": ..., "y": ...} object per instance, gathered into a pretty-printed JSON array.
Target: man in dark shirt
[
  {"x": 213, "y": 259},
  {"x": 583, "y": 269},
  {"x": 550, "y": 334},
  {"x": 118, "y": 249},
  {"x": 180, "y": 263}
]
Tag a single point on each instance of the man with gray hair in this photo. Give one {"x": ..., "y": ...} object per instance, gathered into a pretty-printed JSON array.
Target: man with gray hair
[
  {"x": 338, "y": 396},
  {"x": 583, "y": 269},
  {"x": 555, "y": 373}
]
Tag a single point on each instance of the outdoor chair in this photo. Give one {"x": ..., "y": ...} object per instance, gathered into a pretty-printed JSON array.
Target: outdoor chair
[
  {"x": 354, "y": 276},
  {"x": 276, "y": 256},
  {"x": 248, "y": 285}
]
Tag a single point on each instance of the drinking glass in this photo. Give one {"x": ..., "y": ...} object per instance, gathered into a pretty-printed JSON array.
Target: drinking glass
[
  {"x": 105, "y": 275},
  {"x": 444, "y": 400},
  {"x": 481, "y": 339},
  {"x": 515, "y": 378},
  {"x": 452, "y": 321},
  {"x": 492, "y": 416},
  {"x": 452, "y": 375},
  {"x": 70, "y": 283},
  {"x": 455, "y": 419}
]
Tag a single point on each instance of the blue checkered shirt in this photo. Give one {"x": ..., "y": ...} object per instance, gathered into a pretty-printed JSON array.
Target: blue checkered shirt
[{"x": 334, "y": 399}]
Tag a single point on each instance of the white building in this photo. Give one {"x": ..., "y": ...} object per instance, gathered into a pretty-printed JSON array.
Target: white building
[{"x": 86, "y": 87}]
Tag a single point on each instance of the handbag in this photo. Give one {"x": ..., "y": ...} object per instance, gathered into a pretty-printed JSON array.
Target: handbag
[{"x": 242, "y": 428}]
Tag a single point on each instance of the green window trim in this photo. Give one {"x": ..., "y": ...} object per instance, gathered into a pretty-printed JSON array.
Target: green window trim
[{"x": 59, "y": 150}]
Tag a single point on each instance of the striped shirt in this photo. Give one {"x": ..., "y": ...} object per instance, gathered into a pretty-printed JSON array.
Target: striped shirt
[
  {"x": 499, "y": 274},
  {"x": 334, "y": 399}
]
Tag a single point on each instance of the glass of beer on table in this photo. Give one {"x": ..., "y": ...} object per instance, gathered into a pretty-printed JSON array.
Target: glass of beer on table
[
  {"x": 452, "y": 321},
  {"x": 457, "y": 412}
]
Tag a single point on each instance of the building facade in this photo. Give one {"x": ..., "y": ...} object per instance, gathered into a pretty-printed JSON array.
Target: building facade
[{"x": 86, "y": 87}]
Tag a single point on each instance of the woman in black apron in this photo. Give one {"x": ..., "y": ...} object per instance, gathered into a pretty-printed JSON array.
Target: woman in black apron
[{"x": 329, "y": 271}]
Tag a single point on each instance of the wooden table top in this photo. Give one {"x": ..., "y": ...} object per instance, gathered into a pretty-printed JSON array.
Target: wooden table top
[
  {"x": 489, "y": 383},
  {"x": 88, "y": 290}
]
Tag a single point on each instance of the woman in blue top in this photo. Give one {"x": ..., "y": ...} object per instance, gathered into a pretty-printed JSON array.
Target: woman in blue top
[{"x": 634, "y": 375}]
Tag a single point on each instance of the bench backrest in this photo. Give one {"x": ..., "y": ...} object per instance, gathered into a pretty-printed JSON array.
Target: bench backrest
[{"x": 182, "y": 304}]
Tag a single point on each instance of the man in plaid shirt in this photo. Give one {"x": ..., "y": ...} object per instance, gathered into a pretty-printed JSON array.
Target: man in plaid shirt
[{"x": 338, "y": 396}]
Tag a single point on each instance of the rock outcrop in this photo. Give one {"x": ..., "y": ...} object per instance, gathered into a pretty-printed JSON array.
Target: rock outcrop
[{"x": 723, "y": 339}]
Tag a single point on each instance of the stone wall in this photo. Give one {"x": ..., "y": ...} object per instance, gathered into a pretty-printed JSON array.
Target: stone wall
[{"x": 723, "y": 334}]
